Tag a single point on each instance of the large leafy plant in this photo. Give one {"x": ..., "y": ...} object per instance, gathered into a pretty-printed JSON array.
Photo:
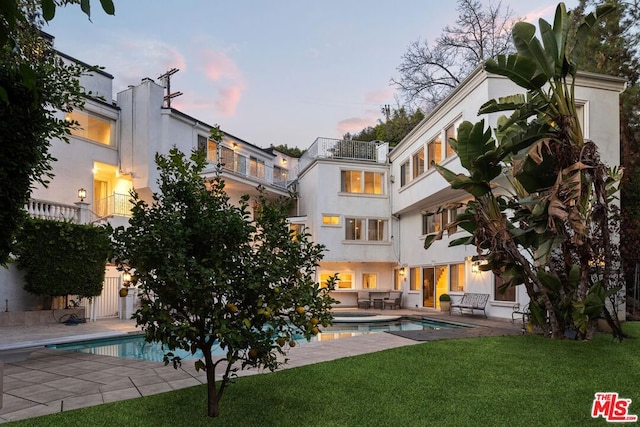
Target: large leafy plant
[{"x": 542, "y": 198}]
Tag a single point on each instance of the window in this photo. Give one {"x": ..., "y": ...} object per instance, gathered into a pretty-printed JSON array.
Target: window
[
  {"x": 351, "y": 181},
  {"x": 397, "y": 279},
  {"x": 209, "y": 147},
  {"x": 345, "y": 280},
  {"x": 353, "y": 229},
  {"x": 450, "y": 132},
  {"x": 404, "y": 174},
  {"x": 295, "y": 230},
  {"x": 227, "y": 157},
  {"x": 256, "y": 167},
  {"x": 361, "y": 182},
  {"x": 418, "y": 163},
  {"x": 93, "y": 128},
  {"x": 414, "y": 279},
  {"x": 457, "y": 277},
  {"x": 434, "y": 222},
  {"x": 330, "y": 220},
  {"x": 376, "y": 229},
  {"x": 434, "y": 147},
  {"x": 509, "y": 293},
  {"x": 280, "y": 175},
  {"x": 373, "y": 183},
  {"x": 369, "y": 281}
]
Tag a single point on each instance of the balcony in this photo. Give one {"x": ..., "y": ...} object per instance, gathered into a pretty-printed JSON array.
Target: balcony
[
  {"x": 253, "y": 168},
  {"x": 345, "y": 149}
]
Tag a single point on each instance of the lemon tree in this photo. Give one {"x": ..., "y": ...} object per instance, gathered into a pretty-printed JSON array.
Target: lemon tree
[{"x": 210, "y": 274}]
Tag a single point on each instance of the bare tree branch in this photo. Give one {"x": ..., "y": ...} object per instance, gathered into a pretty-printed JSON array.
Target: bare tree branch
[{"x": 429, "y": 71}]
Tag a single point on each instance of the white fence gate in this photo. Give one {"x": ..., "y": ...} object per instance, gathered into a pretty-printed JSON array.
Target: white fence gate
[{"x": 105, "y": 305}]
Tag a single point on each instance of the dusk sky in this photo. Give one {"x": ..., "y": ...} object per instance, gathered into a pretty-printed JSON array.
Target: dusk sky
[{"x": 269, "y": 72}]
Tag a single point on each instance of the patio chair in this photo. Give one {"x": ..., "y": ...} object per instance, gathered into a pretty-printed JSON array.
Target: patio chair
[
  {"x": 394, "y": 300},
  {"x": 364, "y": 300}
]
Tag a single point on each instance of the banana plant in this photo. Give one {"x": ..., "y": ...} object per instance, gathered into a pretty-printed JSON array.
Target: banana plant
[{"x": 541, "y": 195}]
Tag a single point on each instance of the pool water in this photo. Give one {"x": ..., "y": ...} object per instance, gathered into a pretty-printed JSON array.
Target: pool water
[{"x": 135, "y": 347}]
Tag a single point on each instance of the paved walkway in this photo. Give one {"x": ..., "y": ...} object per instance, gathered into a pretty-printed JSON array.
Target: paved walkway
[{"x": 40, "y": 381}]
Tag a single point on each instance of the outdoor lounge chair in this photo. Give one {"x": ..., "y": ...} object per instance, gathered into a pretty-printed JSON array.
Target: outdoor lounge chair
[
  {"x": 394, "y": 300},
  {"x": 364, "y": 300}
]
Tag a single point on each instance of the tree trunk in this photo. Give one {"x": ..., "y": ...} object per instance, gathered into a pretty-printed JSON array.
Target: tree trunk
[{"x": 212, "y": 392}]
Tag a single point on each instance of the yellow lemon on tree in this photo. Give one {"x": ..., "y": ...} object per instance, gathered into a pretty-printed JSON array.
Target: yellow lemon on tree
[
  {"x": 315, "y": 331},
  {"x": 314, "y": 321},
  {"x": 292, "y": 343},
  {"x": 300, "y": 309},
  {"x": 232, "y": 307},
  {"x": 281, "y": 341},
  {"x": 253, "y": 354}
]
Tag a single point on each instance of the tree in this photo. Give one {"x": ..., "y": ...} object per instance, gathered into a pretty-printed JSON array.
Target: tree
[
  {"x": 34, "y": 84},
  {"x": 210, "y": 275},
  {"x": 428, "y": 72},
  {"x": 289, "y": 151},
  {"x": 554, "y": 231},
  {"x": 397, "y": 124},
  {"x": 611, "y": 48}
]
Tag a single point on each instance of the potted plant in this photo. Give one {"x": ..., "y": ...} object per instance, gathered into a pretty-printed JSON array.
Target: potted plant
[{"x": 445, "y": 302}]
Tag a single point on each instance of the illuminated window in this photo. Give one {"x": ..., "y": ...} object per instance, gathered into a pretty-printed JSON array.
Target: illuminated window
[
  {"x": 434, "y": 147},
  {"x": 414, "y": 279},
  {"x": 418, "y": 163},
  {"x": 373, "y": 183},
  {"x": 345, "y": 280},
  {"x": 296, "y": 230},
  {"x": 397, "y": 279},
  {"x": 353, "y": 229},
  {"x": 256, "y": 167},
  {"x": 361, "y": 182},
  {"x": 93, "y": 128},
  {"x": 330, "y": 220},
  {"x": 369, "y": 281},
  {"x": 456, "y": 277},
  {"x": 450, "y": 132}
]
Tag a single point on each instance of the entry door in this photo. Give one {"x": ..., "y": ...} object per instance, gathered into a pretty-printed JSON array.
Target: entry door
[
  {"x": 428, "y": 287},
  {"x": 100, "y": 197}
]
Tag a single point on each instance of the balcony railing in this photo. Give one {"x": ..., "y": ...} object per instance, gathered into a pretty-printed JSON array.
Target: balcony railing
[
  {"x": 345, "y": 149},
  {"x": 114, "y": 205},
  {"x": 52, "y": 211},
  {"x": 248, "y": 167}
]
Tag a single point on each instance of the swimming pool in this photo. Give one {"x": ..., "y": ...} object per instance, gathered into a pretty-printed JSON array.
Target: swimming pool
[{"x": 135, "y": 347}]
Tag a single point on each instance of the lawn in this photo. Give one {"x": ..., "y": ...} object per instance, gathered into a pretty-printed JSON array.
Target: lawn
[{"x": 498, "y": 381}]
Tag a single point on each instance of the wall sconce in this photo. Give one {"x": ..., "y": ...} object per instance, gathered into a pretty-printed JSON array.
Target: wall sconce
[
  {"x": 235, "y": 146},
  {"x": 126, "y": 278},
  {"x": 402, "y": 271},
  {"x": 284, "y": 161},
  {"x": 475, "y": 266},
  {"x": 82, "y": 193}
]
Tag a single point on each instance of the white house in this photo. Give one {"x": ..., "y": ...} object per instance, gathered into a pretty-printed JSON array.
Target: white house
[{"x": 369, "y": 206}]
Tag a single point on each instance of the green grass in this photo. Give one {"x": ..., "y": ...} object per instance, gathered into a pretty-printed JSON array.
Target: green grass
[{"x": 500, "y": 381}]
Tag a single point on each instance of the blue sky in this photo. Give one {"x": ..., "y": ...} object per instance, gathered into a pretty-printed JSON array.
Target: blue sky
[{"x": 269, "y": 72}]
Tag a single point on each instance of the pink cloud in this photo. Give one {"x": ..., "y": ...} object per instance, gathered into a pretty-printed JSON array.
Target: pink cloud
[
  {"x": 228, "y": 100},
  {"x": 534, "y": 15},
  {"x": 217, "y": 65},
  {"x": 379, "y": 96},
  {"x": 356, "y": 124}
]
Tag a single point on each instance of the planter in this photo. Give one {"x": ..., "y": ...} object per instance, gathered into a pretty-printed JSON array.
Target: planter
[
  {"x": 39, "y": 317},
  {"x": 445, "y": 305}
]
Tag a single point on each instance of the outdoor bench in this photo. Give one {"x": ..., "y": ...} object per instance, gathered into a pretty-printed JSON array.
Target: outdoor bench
[{"x": 471, "y": 302}]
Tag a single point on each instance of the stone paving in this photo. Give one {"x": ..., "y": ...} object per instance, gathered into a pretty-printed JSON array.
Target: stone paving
[{"x": 40, "y": 381}]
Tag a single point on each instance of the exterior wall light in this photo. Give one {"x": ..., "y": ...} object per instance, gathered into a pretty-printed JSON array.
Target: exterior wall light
[
  {"x": 126, "y": 278},
  {"x": 82, "y": 194}
]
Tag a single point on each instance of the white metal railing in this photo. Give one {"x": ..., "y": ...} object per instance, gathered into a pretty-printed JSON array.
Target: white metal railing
[
  {"x": 52, "y": 210},
  {"x": 345, "y": 149},
  {"x": 116, "y": 204},
  {"x": 249, "y": 167}
]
